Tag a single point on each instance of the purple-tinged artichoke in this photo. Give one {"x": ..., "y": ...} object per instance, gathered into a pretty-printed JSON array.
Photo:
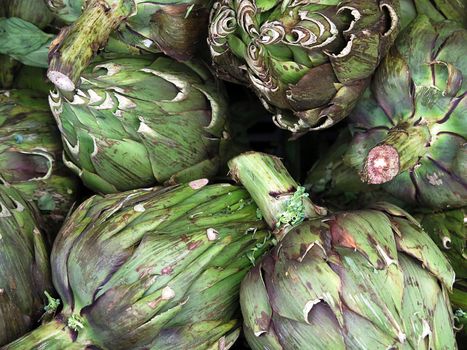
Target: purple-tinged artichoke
[
  {"x": 367, "y": 279},
  {"x": 154, "y": 269},
  {"x": 308, "y": 61},
  {"x": 409, "y": 131}
]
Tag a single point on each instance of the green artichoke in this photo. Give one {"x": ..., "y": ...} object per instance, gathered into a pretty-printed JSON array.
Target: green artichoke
[
  {"x": 409, "y": 131},
  {"x": 175, "y": 27},
  {"x": 30, "y": 155},
  {"x": 155, "y": 268},
  {"x": 136, "y": 123},
  {"x": 24, "y": 266},
  {"x": 368, "y": 279},
  {"x": 308, "y": 61}
]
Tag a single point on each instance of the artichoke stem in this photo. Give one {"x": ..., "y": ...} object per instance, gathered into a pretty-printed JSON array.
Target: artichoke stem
[
  {"x": 51, "y": 335},
  {"x": 274, "y": 191},
  {"x": 400, "y": 151},
  {"x": 75, "y": 46}
]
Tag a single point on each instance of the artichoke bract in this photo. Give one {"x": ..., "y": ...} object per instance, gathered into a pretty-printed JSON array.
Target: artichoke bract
[
  {"x": 24, "y": 266},
  {"x": 308, "y": 61},
  {"x": 437, "y": 10},
  {"x": 409, "y": 131},
  {"x": 448, "y": 230},
  {"x": 153, "y": 268},
  {"x": 368, "y": 279},
  {"x": 135, "y": 123},
  {"x": 30, "y": 155},
  {"x": 175, "y": 27}
]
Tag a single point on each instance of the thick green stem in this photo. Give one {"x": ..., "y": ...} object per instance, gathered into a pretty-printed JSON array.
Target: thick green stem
[
  {"x": 399, "y": 151},
  {"x": 53, "y": 335},
  {"x": 278, "y": 196},
  {"x": 75, "y": 46}
]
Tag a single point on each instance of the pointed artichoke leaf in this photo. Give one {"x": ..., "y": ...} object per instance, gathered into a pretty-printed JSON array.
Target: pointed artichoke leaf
[
  {"x": 452, "y": 49},
  {"x": 363, "y": 334},
  {"x": 219, "y": 296},
  {"x": 257, "y": 319},
  {"x": 359, "y": 57},
  {"x": 392, "y": 88},
  {"x": 415, "y": 243},
  {"x": 321, "y": 331},
  {"x": 300, "y": 285},
  {"x": 365, "y": 291},
  {"x": 367, "y": 231},
  {"x": 443, "y": 325},
  {"x": 416, "y": 47},
  {"x": 394, "y": 210},
  {"x": 108, "y": 154},
  {"x": 424, "y": 319}
]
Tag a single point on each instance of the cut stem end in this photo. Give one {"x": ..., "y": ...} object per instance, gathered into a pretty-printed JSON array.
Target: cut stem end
[{"x": 382, "y": 165}]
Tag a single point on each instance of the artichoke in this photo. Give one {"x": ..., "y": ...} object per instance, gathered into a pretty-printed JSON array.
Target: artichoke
[
  {"x": 136, "y": 123},
  {"x": 308, "y": 61},
  {"x": 409, "y": 131},
  {"x": 30, "y": 155},
  {"x": 176, "y": 27},
  {"x": 368, "y": 279},
  {"x": 154, "y": 268},
  {"x": 24, "y": 266}
]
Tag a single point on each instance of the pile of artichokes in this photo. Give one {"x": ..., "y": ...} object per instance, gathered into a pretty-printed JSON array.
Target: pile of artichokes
[{"x": 233, "y": 174}]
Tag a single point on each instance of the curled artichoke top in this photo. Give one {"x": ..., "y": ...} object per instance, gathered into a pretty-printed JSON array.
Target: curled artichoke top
[{"x": 308, "y": 61}]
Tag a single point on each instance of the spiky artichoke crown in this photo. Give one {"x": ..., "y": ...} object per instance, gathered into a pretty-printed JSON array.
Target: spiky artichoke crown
[
  {"x": 30, "y": 154},
  {"x": 135, "y": 123},
  {"x": 308, "y": 61},
  {"x": 409, "y": 131},
  {"x": 157, "y": 268},
  {"x": 367, "y": 279},
  {"x": 24, "y": 266}
]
